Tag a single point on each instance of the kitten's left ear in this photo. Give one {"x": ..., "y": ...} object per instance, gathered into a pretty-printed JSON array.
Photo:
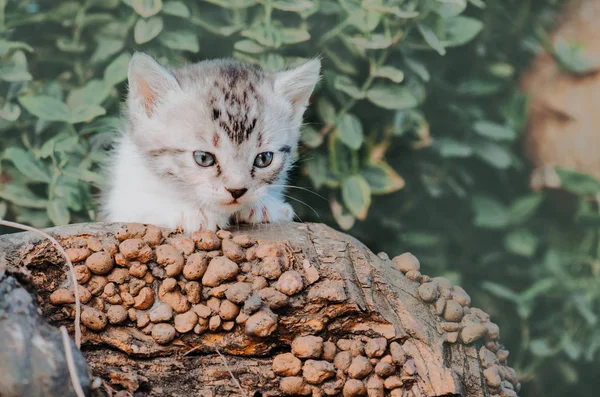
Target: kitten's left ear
[{"x": 296, "y": 85}]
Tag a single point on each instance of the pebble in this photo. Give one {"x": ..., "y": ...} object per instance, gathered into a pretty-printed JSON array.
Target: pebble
[
  {"x": 161, "y": 313},
  {"x": 228, "y": 310},
  {"x": 342, "y": 360},
  {"x": 118, "y": 276},
  {"x": 121, "y": 261},
  {"x": 242, "y": 318},
  {"x": 185, "y": 322},
  {"x": 273, "y": 298},
  {"x": 480, "y": 314},
  {"x": 392, "y": 382},
  {"x": 206, "y": 240},
  {"x": 294, "y": 386},
  {"x": 307, "y": 346},
  {"x": 328, "y": 290},
  {"x": 332, "y": 388},
  {"x": 252, "y": 304},
  {"x": 238, "y": 292},
  {"x": 96, "y": 284},
  {"x": 265, "y": 250},
  {"x": 233, "y": 251},
  {"x": 376, "y": 347},
  {"x": 82, "y": 274},
  {"x": 183, "y": 245},
  {"x": 317, "y": 371},
  {"x": 360, "y": 367},
  {"x": 449, "y": 327},
  {"x": 142, "y": 319},
  {"x": 145, "y": 299},
  {"x": 94, "y": 244},
  {"x": 100, "y": 263},
  {"x": 244, "y": 240},
  {"x": 290, "y": 283},
  {"x": 224, "y": 234},
  {"x": 492, "y": 376},
  {"x": 406, "y": 262},
  {"x": 202, "y": 311},
  {"x": 62, "y": 296},
  {"x": 440, "y": 305},
  {"x": 174, "y": 298},
  {"x": 136, "y": 249},
  {"x": 354, "y": 388},
  {"x": 472, "y": 332},
  {"x": 409, "y": 367},
  {"x": 214, "y": 323},
  {"x": 116, "y": 314},
  {"x": 227, "y": 325},
  {"x": 77, "y": 254},
  {"x": 413, "y": 275},
  {"x": 153, "y": 236},
  {"x": 193, "y": 290},
  {"x": 461, "y": 296},
  {"x": 442, "y": 283},
  {"x": 398, "y": 354},
  {"x": 195, "y": 266},
  {"x": 428, "y": 292},
  {"x": 259, "y": 283},
  {"x": 452, "y": 337},
  {"x": 453, "y": 311},
  {"x": 270, "y": 267},
  {"x": 384, "y": 369},
  {"x": 329, "y": 351},
  {"x": 170, "y": 258},
  {"x": 286, "y": 365},
  {"x": 220, "y": 269},
  {"x": 487, "y": 358},
  {"x": 93, "y": 319},
  {"x": 502, "y": 355},
  {"x": 163, "y": 333},
  {"x": 375, "y": 387},
  {"x": 127, "y": 299},
  {"x": 138, "y": 269},
  {"x": 262, "y": 323},
  {"x": 493, "y": 330},
  {"x": 214, "y": 304}
]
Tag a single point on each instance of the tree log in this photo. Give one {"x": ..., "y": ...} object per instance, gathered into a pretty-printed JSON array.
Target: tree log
[{"x": 282, "y": 309}]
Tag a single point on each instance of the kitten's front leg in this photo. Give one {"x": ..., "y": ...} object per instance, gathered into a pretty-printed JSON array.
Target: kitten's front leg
[{"x": 275, "y": 211}]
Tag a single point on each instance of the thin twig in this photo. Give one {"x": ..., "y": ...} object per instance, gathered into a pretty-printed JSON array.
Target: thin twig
[
  {"x": 71, "y": 362},
  {"x": 61, "y": 250},
  {"x": 193, "y": 349},
  {"x": 231, "y": 373}
]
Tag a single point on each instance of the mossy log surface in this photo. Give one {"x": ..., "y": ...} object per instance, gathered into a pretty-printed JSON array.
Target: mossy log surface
[{"x": 306, "y": 311}]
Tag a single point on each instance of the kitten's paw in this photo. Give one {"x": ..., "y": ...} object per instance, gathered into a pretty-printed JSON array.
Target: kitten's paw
[{"x": 280, "y": 212}]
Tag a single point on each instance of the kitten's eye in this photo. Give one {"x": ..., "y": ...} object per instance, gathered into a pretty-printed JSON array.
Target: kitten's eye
[
  {"x": 263, "y": 159},
  {"x": 204, "y": 159}
]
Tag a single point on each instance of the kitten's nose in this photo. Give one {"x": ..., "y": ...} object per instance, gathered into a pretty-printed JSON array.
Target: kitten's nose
[{"x": 237, "y": 193}]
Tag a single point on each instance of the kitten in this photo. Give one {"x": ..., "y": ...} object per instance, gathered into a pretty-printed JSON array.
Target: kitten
[{"x": 205, "y": 143}]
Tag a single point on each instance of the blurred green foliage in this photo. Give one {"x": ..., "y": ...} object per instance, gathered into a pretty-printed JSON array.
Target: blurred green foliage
[{"x": 414, "y": 137}]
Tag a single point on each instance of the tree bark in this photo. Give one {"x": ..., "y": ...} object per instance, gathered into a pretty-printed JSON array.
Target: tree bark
[{"x": 377, "y": 309}]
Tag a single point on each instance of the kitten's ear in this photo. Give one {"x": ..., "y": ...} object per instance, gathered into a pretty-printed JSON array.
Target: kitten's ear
[
  {"x": 148, "y": 81},
  {"x": 296, "y": 85}
]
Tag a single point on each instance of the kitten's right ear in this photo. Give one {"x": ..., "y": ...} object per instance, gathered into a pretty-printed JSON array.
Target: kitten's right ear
[{"x": 148, "y": 81}]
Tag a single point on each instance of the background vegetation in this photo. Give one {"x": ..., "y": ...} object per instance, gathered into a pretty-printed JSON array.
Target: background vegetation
[{"x": 414, "y": 139}]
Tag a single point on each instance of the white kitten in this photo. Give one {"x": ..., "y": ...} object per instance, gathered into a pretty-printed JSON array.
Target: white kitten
[{"x": 206, "y": 142}]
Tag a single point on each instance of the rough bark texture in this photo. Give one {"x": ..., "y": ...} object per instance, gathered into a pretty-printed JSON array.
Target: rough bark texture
[
  {"x": 563, "y": 106},
  {"x": 380, "y": 310}
]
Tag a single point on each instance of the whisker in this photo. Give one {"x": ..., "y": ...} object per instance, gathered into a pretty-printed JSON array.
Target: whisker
[
  {"x": 302, "y": 188},
  {"x": 302, "y": 202}
]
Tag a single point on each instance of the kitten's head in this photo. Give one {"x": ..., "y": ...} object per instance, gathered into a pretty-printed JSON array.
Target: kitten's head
[{"x": 220, "y": 132}]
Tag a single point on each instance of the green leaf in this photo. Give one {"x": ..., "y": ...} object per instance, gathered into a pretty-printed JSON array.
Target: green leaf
[
  {"x": 538, "y": 288},
  {"x": 147, "y": 8},
  {"x": 293, "y": 35},
  {"x": 449, "y": 148},
  {"x": 578, "y": 182},
  {"x": 21, "y": 196},
  {"x": 27, "y": 164},
  {"x": 450, "y": 8},
  {"x": 495, "y": 155},
  {"x": 58, "y": 212},
  {"x": 146, "y": 30},
  {"x": 524, "y": 207},
  {"x": 272, "y": 62},
  {"x": 494, "y": 131},
  {"x": 357, "y": 196},
  {"x": 350, "y": 131},
  {"x": 293, "y": 5},
  {"x": 14, "y": 68},
  {"x": 372, "y": 42},
  {"x": 249, "y": 47},
  {"x": 521, "y": 242},
  {"x": 541, "y": 348},
  {"x": 348, "y": 86},
  {"x": 326, "y": 110},
  {"x": 392, "y": 96},
  {"x": 489, "y": 213},
  {"x": 382, "y": 178},
  {"x": 6, "y": 46},
  {"x": 310, "y": 137},
  {"x": 106, "y": 48},
  {"x": 344, "y": 220},
  {"x": 93, "y": 93},
  {"x": 266, "y": 35},
  {"x": 389, "y": 72},
  {"x": 10, "y": 111},
  {"x": 365, "y": 20},
  {"x": 177, "y": 9},
  {"x": 501, "y": 291},
  {"x": 233, "y": 4},
  {"x": 46, "y": 108},
  {"x": 3, "y": 209},
  {"x": 87, "y": 113},
  {"x": 431, "y": 39},
  {"x": 460, "y": 30},
  {"x": 116, "y": 71},
  {"x": 183, "y": 40}
]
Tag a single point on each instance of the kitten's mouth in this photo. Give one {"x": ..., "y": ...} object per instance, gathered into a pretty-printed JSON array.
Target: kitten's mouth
[{"x": 232, "y": 202}]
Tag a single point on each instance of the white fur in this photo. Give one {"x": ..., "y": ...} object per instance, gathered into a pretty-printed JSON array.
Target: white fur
[{"x": 140, "y": 188}]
